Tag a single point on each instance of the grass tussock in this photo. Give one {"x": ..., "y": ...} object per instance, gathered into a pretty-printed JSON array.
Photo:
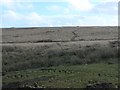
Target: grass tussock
[{"x": 15, "y": 58}]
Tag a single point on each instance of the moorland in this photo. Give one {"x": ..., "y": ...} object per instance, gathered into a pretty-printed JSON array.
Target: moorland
[{"x": 60, "y": 57}]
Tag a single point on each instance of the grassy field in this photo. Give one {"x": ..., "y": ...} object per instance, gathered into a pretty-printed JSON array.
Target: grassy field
[
  {"x": 69, "y": 76},
  {"x": 58, "y": 34},
  {"x": 69, "y": 57}
]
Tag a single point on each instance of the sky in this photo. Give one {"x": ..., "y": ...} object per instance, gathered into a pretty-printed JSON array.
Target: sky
[{"x": 53, "y": 13}]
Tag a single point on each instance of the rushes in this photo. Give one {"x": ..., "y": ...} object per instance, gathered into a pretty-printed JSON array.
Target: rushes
[{"x": 15, "y": 58}]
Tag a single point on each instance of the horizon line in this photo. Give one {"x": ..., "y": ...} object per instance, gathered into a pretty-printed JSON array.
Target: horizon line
[{"x": 56, "y": 26}]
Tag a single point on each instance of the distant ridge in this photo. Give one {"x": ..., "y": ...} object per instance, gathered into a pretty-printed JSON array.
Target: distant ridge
[{"x": 55, "y": 27}]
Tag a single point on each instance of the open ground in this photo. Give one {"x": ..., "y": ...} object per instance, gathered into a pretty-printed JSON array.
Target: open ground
[{"x": 60, "y": 57}]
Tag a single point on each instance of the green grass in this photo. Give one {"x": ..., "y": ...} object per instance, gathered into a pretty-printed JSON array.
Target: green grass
[{"x": 74, "y": 76}]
